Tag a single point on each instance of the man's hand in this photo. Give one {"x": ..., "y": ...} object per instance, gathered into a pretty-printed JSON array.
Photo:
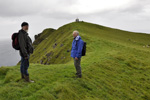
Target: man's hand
[{"x": 76, "y": 58}]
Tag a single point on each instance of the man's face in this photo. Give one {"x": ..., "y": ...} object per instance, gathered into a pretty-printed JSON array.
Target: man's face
[
  {"x": 74, "y": 35},
  {"x": 25, "y": 28}
]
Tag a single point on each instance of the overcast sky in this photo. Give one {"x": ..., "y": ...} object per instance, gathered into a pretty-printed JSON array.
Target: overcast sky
[{"x": 131, "y": 15}]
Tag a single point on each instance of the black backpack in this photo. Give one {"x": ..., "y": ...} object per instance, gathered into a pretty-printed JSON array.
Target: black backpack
[
  {"x": 84, "y": 49},
  {"x": 15, "y": 41}
]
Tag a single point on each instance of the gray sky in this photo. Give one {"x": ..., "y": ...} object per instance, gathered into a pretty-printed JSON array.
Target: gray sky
[{"x": 131, "y": 15}]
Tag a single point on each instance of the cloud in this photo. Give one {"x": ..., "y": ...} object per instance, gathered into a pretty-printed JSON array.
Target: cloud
[
  {"x": 17, "y": 8},
  {"x": 132, "y": 15},
  {"x": 93, "y": 6},
  {"x": 11, "y": 8}
]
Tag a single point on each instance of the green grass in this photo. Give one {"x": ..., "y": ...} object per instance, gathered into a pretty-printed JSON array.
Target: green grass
[{"x": 116, "y": 67}]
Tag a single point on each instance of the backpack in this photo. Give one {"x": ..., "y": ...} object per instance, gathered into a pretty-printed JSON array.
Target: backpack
[
  {"x": 84, "y": 49},
  {"x": 15, "y": 41}
]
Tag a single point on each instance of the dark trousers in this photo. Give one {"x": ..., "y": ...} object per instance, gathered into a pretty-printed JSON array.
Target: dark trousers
[
  {"x": 77, "y": 66},
  {"x": 24, "y": 66}
]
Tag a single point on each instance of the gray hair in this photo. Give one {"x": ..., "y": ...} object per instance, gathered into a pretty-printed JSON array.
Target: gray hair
[{"x": 76, "y": 32}]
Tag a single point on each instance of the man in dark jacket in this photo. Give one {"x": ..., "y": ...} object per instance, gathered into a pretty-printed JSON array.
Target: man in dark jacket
[
  {"x": 26, "y": 49},
  {"x": 76, "y": 52}
]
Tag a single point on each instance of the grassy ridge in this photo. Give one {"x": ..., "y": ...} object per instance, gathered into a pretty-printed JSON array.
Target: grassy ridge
[
  {"x": 58, "y": 42},
  {"x": 42, "y": 36},
  {"x": 116, "y": 67}
]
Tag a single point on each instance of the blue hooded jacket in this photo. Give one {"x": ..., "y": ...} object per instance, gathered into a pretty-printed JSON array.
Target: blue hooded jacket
[{"x": 77, "y": 46}]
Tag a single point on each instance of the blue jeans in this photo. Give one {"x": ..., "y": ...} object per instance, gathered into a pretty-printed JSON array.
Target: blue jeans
[{"x": 24, "y": 66}]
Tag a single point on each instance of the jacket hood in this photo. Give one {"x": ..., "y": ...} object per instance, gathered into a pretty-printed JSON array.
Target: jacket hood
[{"x": 77, "y": 38}]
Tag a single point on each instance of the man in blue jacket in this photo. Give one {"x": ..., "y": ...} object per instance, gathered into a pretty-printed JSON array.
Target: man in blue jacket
[{"x": 76, "y": 52}]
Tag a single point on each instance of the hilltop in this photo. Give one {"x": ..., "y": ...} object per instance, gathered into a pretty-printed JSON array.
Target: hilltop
[
  {"x": 116, "y": 66},
  {"x": 56, "y": 44}
]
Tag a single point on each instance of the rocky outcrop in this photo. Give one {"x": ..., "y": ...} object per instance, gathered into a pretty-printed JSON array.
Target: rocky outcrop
[{"x": 40, "y": 37}]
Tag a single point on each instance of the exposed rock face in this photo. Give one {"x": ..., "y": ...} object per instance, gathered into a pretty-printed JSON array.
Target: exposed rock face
[
  {"x": 147, "y": 46},
  {"x": 49, "y": 54},
  {"x": 41, "y": 61},
  {"x": 40, "y": 37},
  {"x": 68, "y": 50},
  {"x": 61, "y": 45},
  {"x": 57, "y": 56},
  {"x": 44, "y": 49},
  {"x": 54, "y": 45},
  {"x": 37, "y": 36}
]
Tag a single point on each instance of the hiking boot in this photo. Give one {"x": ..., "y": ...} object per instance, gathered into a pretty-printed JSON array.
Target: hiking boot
[
  {"x": 22, "y": 76},
  {"x": 79, "y": 76},
  {"x": 76, "y": 73},
  {"x": 27, "y": 79}
]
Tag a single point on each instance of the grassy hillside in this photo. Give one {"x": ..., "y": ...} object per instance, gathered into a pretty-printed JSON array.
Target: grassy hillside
[
  {"x": 116, "y": 67},
  {"x": 42, "y": 36},
  {"x": 57, "y": 44}
]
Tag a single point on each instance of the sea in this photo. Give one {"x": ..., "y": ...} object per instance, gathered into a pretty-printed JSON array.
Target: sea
[{"x": 8, "y": 55}]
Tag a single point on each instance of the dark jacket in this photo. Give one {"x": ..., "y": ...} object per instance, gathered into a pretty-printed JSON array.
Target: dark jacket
[
  {"x": 77, "y": 46},
  {"x": 25, "y": 44}
]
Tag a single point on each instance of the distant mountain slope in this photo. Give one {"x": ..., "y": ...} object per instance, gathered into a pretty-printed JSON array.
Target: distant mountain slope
[{"x": 53, "y": 46}]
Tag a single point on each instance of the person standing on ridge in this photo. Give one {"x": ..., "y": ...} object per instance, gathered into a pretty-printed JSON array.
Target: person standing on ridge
[
  {"x": 76, "y": 52},
  {"x": 26, "y": 48}
]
